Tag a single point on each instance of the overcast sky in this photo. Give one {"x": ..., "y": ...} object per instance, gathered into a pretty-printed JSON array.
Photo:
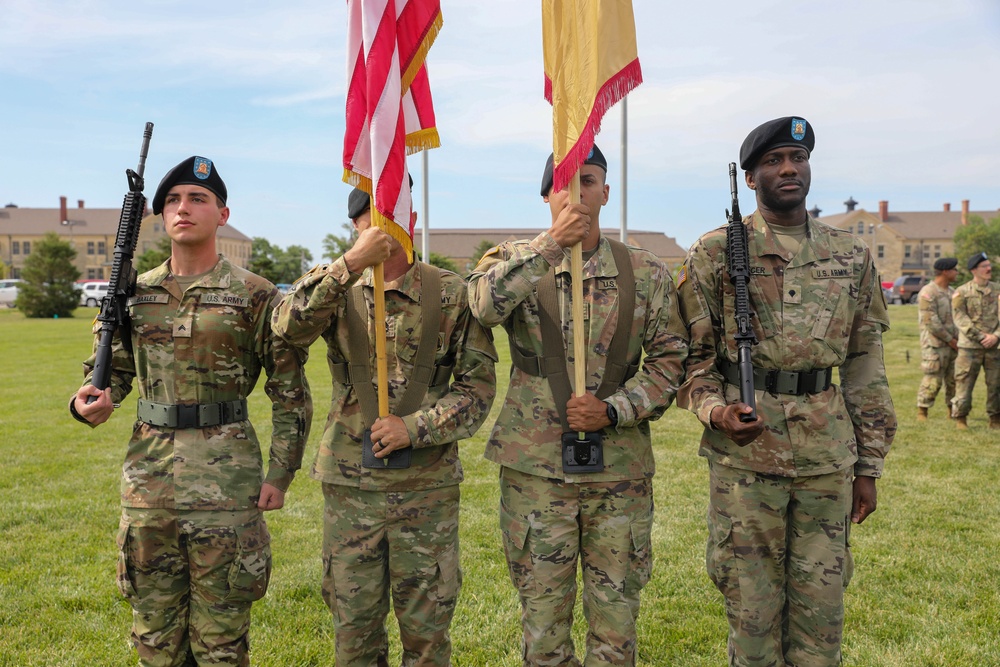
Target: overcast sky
[{"x": 902, "y": 95}]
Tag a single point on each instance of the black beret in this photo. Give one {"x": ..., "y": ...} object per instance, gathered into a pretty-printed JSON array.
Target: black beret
[
  {"x": 359, "y": 201},
  {"x": 977, "y": 259},
  {"x": 945, "y": 264},
  {"x": 192, "y": 171},
  {"x": 787, "y": 131},
  {"x": 594, "y": 157}
]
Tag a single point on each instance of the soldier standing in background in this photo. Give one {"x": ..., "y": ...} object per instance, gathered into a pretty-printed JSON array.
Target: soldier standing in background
[
  {"x": 552, "y": 518},
  {"x": 785, "y": 487},
  {"x": 938, "y": 337},
  {"x": 391, "y": 519},
  {"x": 194, "y": 548},
  {"x": 974, "y": 307}
]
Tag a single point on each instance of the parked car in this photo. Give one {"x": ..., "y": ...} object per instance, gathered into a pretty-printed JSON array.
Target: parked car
[
  {"x": 91, "y": 293},
  {"x": 8, "y": 291},
  {"x": 905, "y": 289}
]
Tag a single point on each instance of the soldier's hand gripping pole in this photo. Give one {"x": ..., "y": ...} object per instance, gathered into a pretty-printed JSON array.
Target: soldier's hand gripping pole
[
  {"x": 114, "y": 306},
  {"x": 738, "y": 263}
]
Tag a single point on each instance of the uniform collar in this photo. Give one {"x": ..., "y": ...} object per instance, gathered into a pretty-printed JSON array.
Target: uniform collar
[
  {"x": 407, "y": 284},
  {"x": 815, "y": 247},
  {"x": 600, "y": 265}
]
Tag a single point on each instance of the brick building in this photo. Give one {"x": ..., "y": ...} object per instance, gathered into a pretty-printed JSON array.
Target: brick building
[{"x": 92, "y": 231}]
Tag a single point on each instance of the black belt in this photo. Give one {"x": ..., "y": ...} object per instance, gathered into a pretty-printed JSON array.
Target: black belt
[
  {"x": 197, "y": 415},
  {"x": 794, "y": 383}
]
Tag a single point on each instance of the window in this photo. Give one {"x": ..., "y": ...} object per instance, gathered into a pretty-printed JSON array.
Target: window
[
  {"x": 90, "y": 247},
  {"x": 15, "y": 248},
  {"x": 881, "y": 252},
  {"x": 871, "y": 228},
  {"x": 937, "y": 251},
  {"x": 907, "y": 251},
  {"x": 861, "y": 227},
  {"x": 101, "y": 248},
  {"x": 27, "y": 247},
  {"x": 91, "y": 274}
]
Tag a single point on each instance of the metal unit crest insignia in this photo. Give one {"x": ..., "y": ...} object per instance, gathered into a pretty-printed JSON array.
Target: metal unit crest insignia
[
  {"x": 202, "y": 168},
  {"x": 798, "y": 129}
]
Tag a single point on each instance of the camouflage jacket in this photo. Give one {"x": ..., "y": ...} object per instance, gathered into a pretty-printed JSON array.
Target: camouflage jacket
[
  {"x": 822, "y": 308},
  {"x": 975, "y": 311},
  {"x": 207, "y": 345},
  {"x": 317, "y": 306},
  {"x": 937, "y": 329},
  {"x": 527, "y": 434}
]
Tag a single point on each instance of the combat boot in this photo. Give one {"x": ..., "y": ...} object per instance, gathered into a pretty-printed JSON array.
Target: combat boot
[
  {"x": 960, "y": 424},
  {"x": 995, "y": 421},
  {"x": 921, "y": 414}
]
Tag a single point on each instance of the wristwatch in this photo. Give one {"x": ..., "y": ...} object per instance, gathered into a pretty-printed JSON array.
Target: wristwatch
[{"x": 612, "y": 415}]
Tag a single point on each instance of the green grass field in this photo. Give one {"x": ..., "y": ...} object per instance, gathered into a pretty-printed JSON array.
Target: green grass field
[{"x": 925, "y": 592}]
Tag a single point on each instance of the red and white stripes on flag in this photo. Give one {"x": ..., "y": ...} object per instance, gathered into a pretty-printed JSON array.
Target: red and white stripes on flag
[{"x": 389, "y": 108}]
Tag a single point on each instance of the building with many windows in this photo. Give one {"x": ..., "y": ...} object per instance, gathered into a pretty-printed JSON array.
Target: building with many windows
[
  {"x": 906, "y": 243},
  {"x": 92, "y": 231}
]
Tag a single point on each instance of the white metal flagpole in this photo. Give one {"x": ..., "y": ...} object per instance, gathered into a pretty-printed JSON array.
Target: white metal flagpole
[
  {"x": 624, "y": 168},
  {"x": 425, "y": 240}
]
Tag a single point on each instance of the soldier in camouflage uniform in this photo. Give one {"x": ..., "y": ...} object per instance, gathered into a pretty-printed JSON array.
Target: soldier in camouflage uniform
[
  {"x": 551, "y": 519},
  {"x": 194, "y": 548},
  {"x": 391, "y": 532},
  {"x": 938, "y": 337},
  {"x": 974, "y": 307},
  {"x": 785, "y": 487}
]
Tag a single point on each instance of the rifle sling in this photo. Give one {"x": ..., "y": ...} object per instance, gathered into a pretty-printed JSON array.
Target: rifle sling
[
  {"x": 553, "y": 363},
  {"x": 359, "y": 366}
]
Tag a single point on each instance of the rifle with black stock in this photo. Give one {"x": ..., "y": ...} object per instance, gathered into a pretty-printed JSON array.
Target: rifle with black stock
[
  {"x": 114, "y": 306},
  {"x": 738, "y": 264}
]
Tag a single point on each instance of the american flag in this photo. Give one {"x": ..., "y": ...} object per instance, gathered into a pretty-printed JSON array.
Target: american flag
[{"x": 389, "y": 108}]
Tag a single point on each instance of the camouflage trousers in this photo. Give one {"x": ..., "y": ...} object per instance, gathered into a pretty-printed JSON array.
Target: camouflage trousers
[
  {"x": 191, "y": 577},
  {"x": 967, "y": 367},
  {"x": 778, "y": 550},
  {"x": 548, "y": 525},
  {"x": 938, "y": 365},
  {"x": 404, "y": 543}
]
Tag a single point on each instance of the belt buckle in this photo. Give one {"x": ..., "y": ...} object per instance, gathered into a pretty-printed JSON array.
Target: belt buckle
[
  {"x": 187, "y": 416},
  {"x": 771, "y": 382}
]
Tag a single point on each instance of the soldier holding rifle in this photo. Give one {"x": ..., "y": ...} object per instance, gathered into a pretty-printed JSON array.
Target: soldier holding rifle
[
  {"x": 194, "y": 548},
  {"x": 785, "y": 487}
]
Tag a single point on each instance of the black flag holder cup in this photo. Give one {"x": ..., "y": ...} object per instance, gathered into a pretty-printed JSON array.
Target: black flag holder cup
[{"x": 580, "y": 455}]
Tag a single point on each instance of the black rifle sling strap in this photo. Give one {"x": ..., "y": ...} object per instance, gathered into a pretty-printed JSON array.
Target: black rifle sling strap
[
  {"x": 553, "y": 355},
  {"x": 359, "y": 368}
]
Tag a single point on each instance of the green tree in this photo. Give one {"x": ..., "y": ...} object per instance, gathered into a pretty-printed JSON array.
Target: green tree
[
  {"x": 276, "y": 264},
  {"x": 334, "y": 246},
  {"x": 976, "y": 236},
  {"x": 477, "y": 254},
  {"x": 155, "y": 256},
  {"x": 442, "y": 262},
  {"x": 49, "y": 275}
]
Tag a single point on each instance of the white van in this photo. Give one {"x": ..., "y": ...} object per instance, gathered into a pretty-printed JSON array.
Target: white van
[
  {"x": 8, "y": 291},
  {"x": 91, "y": 293}
]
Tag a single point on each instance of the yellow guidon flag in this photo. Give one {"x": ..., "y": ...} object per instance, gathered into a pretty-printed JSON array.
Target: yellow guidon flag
[{"x": 591, "y": 62}]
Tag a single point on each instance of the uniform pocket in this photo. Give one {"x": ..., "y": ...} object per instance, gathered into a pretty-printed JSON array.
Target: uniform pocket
[
  {"x": 250, "y": 571},
  {"x": 720, "y": 558},
  {"x": 124, "y": 575},
  {"x": 930, "y": 362},
  {"x": 641, "y": 558},
  {"x": 515, "y": 531}
]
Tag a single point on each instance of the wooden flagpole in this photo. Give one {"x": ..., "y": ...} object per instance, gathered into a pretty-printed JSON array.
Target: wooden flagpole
[
  {"x": 381, "y": 363},
  {"x": 576, "y": 279}
]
